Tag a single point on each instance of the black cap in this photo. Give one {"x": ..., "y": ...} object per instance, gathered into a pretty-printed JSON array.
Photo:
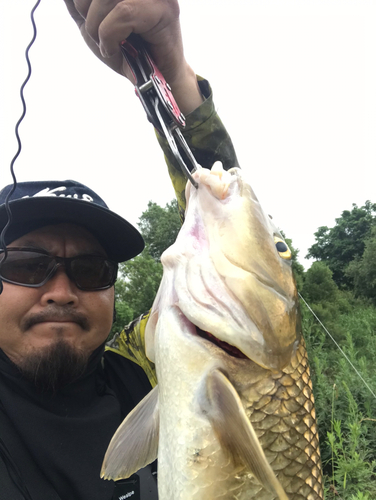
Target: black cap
[{"x": 42, "y": 203}]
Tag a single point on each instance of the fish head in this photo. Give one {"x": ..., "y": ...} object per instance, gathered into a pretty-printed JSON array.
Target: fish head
[{"x": 250, "y": 264}]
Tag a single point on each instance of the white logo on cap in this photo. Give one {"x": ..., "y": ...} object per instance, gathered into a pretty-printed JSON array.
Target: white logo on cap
[{"x": 56, "y": 191}]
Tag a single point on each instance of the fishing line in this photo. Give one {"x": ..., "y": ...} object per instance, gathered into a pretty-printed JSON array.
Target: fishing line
[
  {"x": 341, "y": 350},
  {"x": 7, "y": 207}
]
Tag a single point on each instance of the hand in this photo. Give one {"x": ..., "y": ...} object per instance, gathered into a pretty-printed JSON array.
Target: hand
[{"x": 104, "y": 24}]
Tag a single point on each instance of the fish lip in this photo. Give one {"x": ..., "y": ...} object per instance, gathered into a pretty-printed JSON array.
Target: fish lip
[
  {"x": 229, "y": 349},
  {"x": 225, "y": 347}
]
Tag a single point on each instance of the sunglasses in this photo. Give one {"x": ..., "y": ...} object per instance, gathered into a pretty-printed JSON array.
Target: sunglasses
[{"x": 33, "y": 268}]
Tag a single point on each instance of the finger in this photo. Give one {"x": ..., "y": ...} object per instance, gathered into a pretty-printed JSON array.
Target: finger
[
  {"x": 130, "y": 16},
  {"x": 157, "y": 22},
  {"x": 115, "y": 28},
  {"x": 97, "y": 11}
]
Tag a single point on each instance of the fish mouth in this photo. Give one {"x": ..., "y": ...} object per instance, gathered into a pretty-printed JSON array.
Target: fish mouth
[{"x": 228, "y": 348}]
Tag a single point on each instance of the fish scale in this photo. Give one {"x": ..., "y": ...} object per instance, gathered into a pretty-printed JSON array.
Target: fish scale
[{"x": 280, "y": 407}]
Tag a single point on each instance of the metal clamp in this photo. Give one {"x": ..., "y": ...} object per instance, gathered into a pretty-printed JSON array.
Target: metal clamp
[{"x": 159, "y": 103}]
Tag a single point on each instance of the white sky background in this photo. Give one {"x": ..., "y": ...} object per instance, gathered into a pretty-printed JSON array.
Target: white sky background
[{"x": 294, "y": 82}]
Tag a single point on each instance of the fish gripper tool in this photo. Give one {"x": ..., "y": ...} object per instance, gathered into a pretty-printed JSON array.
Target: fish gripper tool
[{"x": 159, "y": 103}]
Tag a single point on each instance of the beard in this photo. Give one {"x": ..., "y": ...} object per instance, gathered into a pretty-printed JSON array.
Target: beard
[{"x": 54, "y": 367}]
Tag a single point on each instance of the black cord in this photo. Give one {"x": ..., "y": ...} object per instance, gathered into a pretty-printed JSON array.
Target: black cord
[
  {"x": 13, "y": 471},
  {"x": 7, "y": 207}
]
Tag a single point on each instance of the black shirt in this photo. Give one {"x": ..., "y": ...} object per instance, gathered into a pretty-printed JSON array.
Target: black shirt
[{"x": 52, "y": 447}]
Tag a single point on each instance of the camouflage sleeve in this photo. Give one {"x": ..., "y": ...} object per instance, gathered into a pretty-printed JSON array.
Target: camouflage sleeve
[
  {"x": 209, "y": 142},
  {"x": 130, "y": 343}
]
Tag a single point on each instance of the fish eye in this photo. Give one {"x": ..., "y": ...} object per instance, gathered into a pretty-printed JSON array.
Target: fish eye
[{"x": 282, "y": 248}]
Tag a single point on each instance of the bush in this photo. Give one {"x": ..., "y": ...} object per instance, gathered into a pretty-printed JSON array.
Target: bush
[{"x": 348, "y": 436}]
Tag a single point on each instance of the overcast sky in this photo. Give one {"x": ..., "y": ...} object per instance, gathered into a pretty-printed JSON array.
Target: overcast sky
[{"x": 294, "y": 82}]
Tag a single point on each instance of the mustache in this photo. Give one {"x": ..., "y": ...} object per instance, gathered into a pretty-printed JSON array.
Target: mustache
[{"x": 57, "y": 314}]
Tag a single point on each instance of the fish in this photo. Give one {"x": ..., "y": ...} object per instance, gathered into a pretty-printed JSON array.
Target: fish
[{"x": 232, "y": 416}]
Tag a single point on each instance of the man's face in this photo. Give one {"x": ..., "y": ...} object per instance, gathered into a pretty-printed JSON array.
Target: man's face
[{"x": 34, "y": 320}]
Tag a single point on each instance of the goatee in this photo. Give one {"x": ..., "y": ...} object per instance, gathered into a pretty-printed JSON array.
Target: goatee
[{"x": 54, "y": 367}]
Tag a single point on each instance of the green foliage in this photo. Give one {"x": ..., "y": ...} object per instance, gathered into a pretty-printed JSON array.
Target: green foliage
[
  {"x": 350, "y": 449},
  {"x": 136, "y": 288},
  {"x": 362, "y": 270},
  {"x": 142, "y": 276},
  {"x": 348, "y": 438},
  {"x": 159, "y": 227},
  {"x": 124, "y": 312},
  {"x": 319, "y": 286},
  {"x": 339, "y": 245},
  {"x": 348, "y": 435},
  {"x": 323, "y": 295},
  {"x": 360, "y": 496}
]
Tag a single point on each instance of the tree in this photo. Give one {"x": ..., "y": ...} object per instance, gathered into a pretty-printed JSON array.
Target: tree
[
  {"x": 321, "y": 292},
  {"x": 159, "y": 227},
  {"x": 140, "y": 281},
  {"x": 124, "y": 312},
  {"x": 339, "y": 245},
  {"x": 136, "y": 288},
  {"x": 319, "y": 286},
  {"x": 362, "y": 270}
]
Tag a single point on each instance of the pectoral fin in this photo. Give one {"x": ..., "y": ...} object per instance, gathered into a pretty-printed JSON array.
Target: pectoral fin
[
  {"x": 135, "y": 443},
  {"x": 235, "y": 432}
]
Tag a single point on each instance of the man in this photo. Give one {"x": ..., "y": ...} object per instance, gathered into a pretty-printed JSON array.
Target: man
[{"x": 61, "y": 396}]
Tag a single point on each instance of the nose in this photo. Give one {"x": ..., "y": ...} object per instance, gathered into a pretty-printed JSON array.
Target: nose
[{"x": 59, "y": 290}]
